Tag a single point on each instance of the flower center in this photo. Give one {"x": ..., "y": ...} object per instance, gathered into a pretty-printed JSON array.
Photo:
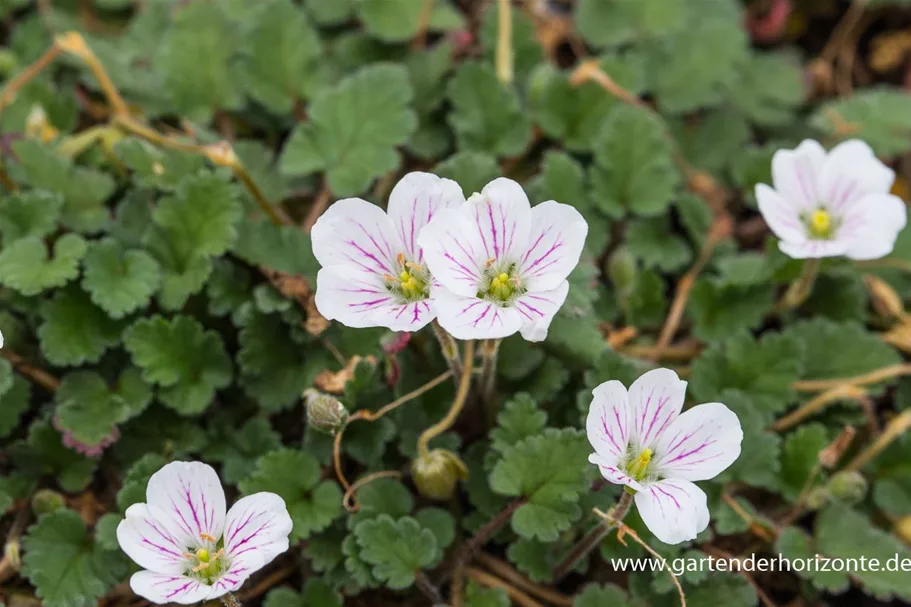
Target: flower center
[
  {"x": 205, "y": 565},
  {"x": 500, "y": 285},
  {"x": 412, "y": 283},
  {"x": 638, "y": 467},
  {"x": 820, "y": 224}
]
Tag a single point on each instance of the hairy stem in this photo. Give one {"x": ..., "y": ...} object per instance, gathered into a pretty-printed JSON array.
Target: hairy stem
[
  {"x": 895, "y": 428},
  {"x": 801, "y": 288},
  {"x": 427, "y": 587},
  {"x": 450, "y": 349},
  {"x": 593, "y": 538},
  {"x": 504, "y": 54},
  {"x": 489, "y": 350},
  {"x": 229, "y": 600},
  {"x": 469, "y": 548},
  {"x": 461, "y": 396},
  {"x": 25, "y": 76}
]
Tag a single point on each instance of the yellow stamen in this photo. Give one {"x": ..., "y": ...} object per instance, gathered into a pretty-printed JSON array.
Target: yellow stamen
[
  {"x": 820, "y": 223},
  {"x": 207, "y": 537},
  {"x": 404, "y": 276},
  {"x": 637, "y": 468},
  {"x": 503, "y": 277},
  {"x": 203, "y": 555}
]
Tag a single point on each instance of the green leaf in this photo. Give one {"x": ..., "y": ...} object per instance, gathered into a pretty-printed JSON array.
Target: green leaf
[
  {"x": 400, "y": 20},
  {"x": 864, "y": 540},
  {"x": 519, "y": 419},
  {"x": 634, "y": 170},
  {"x": 66, "y": 567},
  {"x": 535, "y": 559},
  {"x": 620, "y": 21},
  {"x": 727, "y": 589},
  {"x": 762, "y": 468},
  {"x": 763, "y": 369},
  {"x": 486, "y": 116},
  {"x": 28, "y": 267},
  {"x": 471, "y": 170},
  {"x": 478, "y": 596},
  {"x": 794, "y": 543},
  {"x": 799, "y": 457},
  {"x": 74, "y": 330},
  {"x": 330, "y": 13},
  {"x": 714, "y": 140},
  {"x": 385, "y": 496},
  {"x": 880, "y": 115},
  {"x": 188, "y": 362},
  {"x": 91, "y": 411},
  {"x": 239, "y": 449},
  {"x": 343, "y": 136},
  {"x": 549, "y": 470},
  {"x": 84, "y": 191},
  {"x": 719, "y": 310},
  {"x": 440, "y": 523},
  {"x": 24, "y": 214},
  {"x": 14, "y": 401},
  {"x": 646, "y": 306},
  {"x": 594, "y": 595},
  {"x": 133, "y": 489},
  {"x": 295, "y": 476},
  {"x": 197, "y": 86},
  {"x": 274, "y": 367},
  {"x": 43, "y": 453},
  {"x": 12, "y": 487},
  {"x": 155, "y": 167},
  {"x": 839, "y": 294},
  {"x": 119, "y": 281},
  {"x": 652, "y": 241},
  {"x": 397, "y": 549},
  {"x": 428, "y": 69},
  {"x": 316, "y": 593},
  {"x": 281, "y": 53},
  {"x": 527, "y": 50},
  {"x": 769, "y": 89},
  {"x": 285, "y": 249}
]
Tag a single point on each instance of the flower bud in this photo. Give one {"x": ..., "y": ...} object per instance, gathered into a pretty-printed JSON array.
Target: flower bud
[
  {"x": 436, "y": 474},
  {"x": 46, "y": 501},
  {"x": 12, "y": 554},
  {"x": 903, "y": 529},
  {"x": 623, "y": 272},
  {"x": 848, "y": 486},
  {"x": 884, "y": 299},
  {"x": 817, "y": 498},
  {"x": 325, "y": 413}
]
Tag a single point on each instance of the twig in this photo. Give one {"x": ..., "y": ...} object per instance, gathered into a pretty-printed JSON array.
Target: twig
[
  {"x": 756, "y": 528},
  {"x": 843, "y": 29},
  {"x": 679, "y": 352},
  {"x": 491, "y": 581},
  {"x": 865, "y": 379},
  {"x": 593, "y": 538},
  {"x": 461, "y": 395},
  {"x": 74, "y": 44},
  {"x": 39, "y": 376},
  {"x": 469, "y": 548},
  {"x": 817, "y": 403},
  {"x": 348, "y": 499},
  {"x": 506, "y": 572},
  {"x": 894, "y": 429},
  {"x": 265, "y": 584},
  {"x": 25, "y": 76},
  {"x": 504, "y": 52},
  {"x": 800, "y": 289},
  {"x": 449, "y": 347},
  {"x": 420, "y": 40},
  {"x": 624, "y": 531},
  {"x": 320, "y": 204}
]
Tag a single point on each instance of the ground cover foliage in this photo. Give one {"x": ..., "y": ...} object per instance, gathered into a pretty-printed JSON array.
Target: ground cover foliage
[{"x": 161, "y": 168}]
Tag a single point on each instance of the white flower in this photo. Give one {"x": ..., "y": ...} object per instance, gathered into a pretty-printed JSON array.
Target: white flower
[
  {"x": 502, "y": 265},
  {"x": 824, "y": 205},
  {"x": 642, "y": 440},
  {"x": 191, "y": 550},
  {"x": 373, "y": 272}
]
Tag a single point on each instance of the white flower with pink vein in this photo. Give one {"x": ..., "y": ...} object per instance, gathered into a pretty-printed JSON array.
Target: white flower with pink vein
[
  {"x": 643, "y": 441},
  {"x": 373, "y": 271},
  {"x": 831, "y": 204},
  {"x": 502, "y": 265},
  {"x": 190, "y": 548}
]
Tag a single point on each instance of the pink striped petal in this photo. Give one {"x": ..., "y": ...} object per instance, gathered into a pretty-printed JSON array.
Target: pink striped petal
[
  {"x": 454, "y": 251},
  {"x": 538, "y": 309},
  {"x": 501, "y": 219},
  {"x": 851, "y": 171},
  {"x": 414, "y": 200},
  {"x": 782, "y": 217},
  {"x": 674, "y": 510},
  {"x": 607, "y": 424},
  {"x": 815, "y": 249},
  {"x": 473, "y": 318},
  {"x": 231, "y": 580},
  {"x": 257, "y": 530},
  {"x": 699, "y": 444},
  {"x": 655, "y": 401},
  {"x": 612, "y": 473},
  {"x": 148, "y": 536},
  {"x": 162, "y": 588},
  {"x": 872, "y": 224},
  {"x": 357, "y": 234},
  {"x": 555, "y": 243},
  {"x": 190, "y": 496},
  {"x": 796, "y": 174}
]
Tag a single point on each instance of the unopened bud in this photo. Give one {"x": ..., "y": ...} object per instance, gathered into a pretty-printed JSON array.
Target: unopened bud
[
  {"x": 903, "y": 528},
  {"x": 46, "y": 501},
  {"x": 437, "y": 473},
  {"x": 12, "y": 554},
  {"x": 394, "y": 342},
  {"x": 325, "y": 413},
  {"x": 884, "y": 299},
  {"x": 623, "y": 272},
  {"x": 817, "y": 498},
  {"x": 848, "y": 486}
]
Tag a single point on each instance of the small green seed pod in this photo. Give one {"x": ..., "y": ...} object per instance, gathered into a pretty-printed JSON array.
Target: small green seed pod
[
  {"x": 46, "y": 501},
  {"x": 848, "y": 486},
  {"x": 325, "y": 413},
  {"x": 437, "y": 473}
]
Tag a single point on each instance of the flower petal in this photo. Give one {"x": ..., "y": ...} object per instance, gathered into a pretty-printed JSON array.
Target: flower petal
[
  {"x": 162, "y": 588},
  {"x": 796, "y": 173},
  {"x": 453, "y": 250},
  {"x": 555, "y": 243},
  {"x": 782, "y": 217},
  {"x": 258, "y": 524},
  {"x": 851, "y": 171},
  {"x": 359, "y": 299},
  {"x": 655, "y": 401},
  {"x": 674, "y": 510},
  {"x": 473, "y": 318},
  {"x": 814, "y": 249},
  {"x": 414, "y": 200},
  {"x": 872, "y": 224},
  {"x": 538, "y": 310},
  {"x": 502, "y": 219},
  {"x": 232, "y": 579},
  {"x": 356, "y": 234},
  {"x": 190, "y": 495},
  {"x": 607, "y": 424},
  {"x": 700, "y": 443},
  {"x": 612, "y": 473},
  {"x": 148, "y": 537}
]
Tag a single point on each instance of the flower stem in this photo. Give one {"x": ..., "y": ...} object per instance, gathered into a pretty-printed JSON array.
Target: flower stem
[
  {"x": 593, "y": 538},
  {"x": 229, "y": 600},
  {"x": 504, "y": 54},
  {"x": 450, "y": 349},
  {"x": 461, "y": 395},
  {"x": 801, "y": 288},
  {"x": 489, "y": 350},
  {"x": 427, "y": 587}
]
